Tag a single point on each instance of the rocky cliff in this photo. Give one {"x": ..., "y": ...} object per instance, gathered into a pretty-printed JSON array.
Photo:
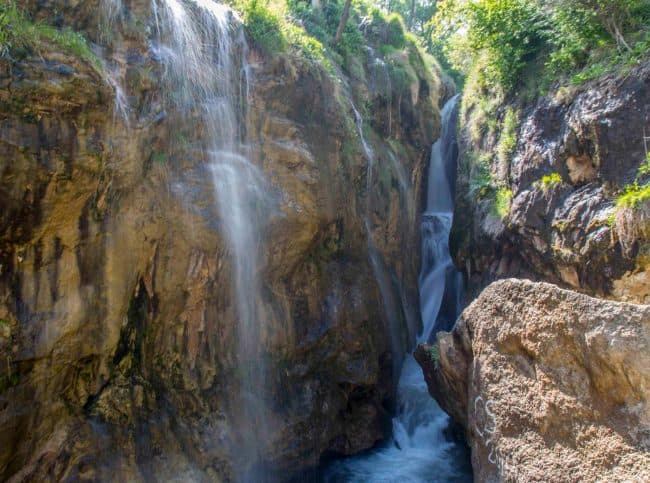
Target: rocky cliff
[
  {"x": 117, "y": 312},
  {"x": 538, "y": 187},
  {"x": 549, "y": 384}
]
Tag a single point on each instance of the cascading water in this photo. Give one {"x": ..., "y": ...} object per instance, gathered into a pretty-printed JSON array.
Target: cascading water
[
  {"x": 439, "y": 279},
  {"x": 203, "y": 50},
  {"x": 419, "y": 451}
]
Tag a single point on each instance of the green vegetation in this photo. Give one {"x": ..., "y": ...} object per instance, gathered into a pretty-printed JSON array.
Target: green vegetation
[
  {"x": 308, "y": 46},
  {"x": 502, "y": 201},
  {"x": 483, "y": 186},
  {"x": 639, "y": 191},
  {"x": 434, "y": 354},
  {"x": 310, "y": 31},
  {"x": 277, "y": 26},
  {"x": 644, "y": 169},
  {"x": 633, "y": 195},
  {"x": 481, "y": 182},
  {"x": 20, "y": 36},
  {"x": 263, "y": 25},
  {"x": 160, "y": 157},
  {"x": 631, "y": 216},
  {"x": 524, "y": 42},
  {"x": 9, "y": 378},
  {"x": 548, "y": 181},
  {"x": 8, "y": 381},
  {"x": 508, "y": 138}
]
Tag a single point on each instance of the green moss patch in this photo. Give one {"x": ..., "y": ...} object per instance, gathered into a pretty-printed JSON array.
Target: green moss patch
[{"x": 20, "y": 36}]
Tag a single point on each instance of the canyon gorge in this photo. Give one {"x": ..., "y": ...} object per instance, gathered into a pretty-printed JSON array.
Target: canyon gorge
[{"x": 233, "y": 250}]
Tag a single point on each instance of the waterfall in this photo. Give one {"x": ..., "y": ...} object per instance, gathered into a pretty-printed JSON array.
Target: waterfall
[
  {"x": 382, "y": 276},
  {"x": 439, "y": 279},
  {"x": 419, "y": 451},
  {"x": 202, "y": 48}
]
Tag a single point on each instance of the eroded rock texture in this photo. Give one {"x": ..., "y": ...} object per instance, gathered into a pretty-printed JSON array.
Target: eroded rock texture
[
  {"x": 550, "y": 385},
  {"x": 589, "y": 143},
  {"x": 117, "y": 314}
]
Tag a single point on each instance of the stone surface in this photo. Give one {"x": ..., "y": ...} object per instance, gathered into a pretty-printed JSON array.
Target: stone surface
[
  {"x": 591, "y": 137},
  {"x": 117, "y": 323},
  {"x": 549, "y": 384}
]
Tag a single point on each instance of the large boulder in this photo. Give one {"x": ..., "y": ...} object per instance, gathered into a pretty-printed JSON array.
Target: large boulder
[{"x": 549, "y": 384}]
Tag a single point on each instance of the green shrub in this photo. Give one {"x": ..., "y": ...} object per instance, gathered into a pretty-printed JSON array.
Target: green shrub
[
  {"x": 548, "y": 181},
  {"x": 481, "y": 182},
  {"x": 8, "y": 381},
  {"x": 511, "y": 32},
  {"x": 434, "y": 354},
  {"x": 386, "y": 29},
  {"x": 508, "y": 138},
  {"x": 644, "y": 169},
  {"x": 20, "y": 36},
  {"x": 395, "y": 31},
  {"x": 264, "y": 27},
  {"x": 308, "y": 46},
  {"x": 633, "y": 195},
  {"x": 574, "y": 40},
  {"x": 502, "y": 201},
  {"x": 401, "y": 75}
]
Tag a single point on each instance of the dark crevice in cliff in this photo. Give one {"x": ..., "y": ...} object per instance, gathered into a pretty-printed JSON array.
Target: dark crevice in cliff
[{"x": 132, "y": 333}]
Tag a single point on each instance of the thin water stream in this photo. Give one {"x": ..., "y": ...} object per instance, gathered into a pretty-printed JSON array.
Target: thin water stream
[
  {"x": 202, "y": 46},
  {"x": 419, "y": 450}
]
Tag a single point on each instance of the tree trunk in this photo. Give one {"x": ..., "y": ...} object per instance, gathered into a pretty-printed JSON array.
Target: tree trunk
[
  {"x": 411, "y": 16},
  {"x": 344, "y": 20}
]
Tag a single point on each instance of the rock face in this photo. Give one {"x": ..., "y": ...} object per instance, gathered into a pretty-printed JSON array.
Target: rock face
[
  {"x": 117, "y": 319},
  {"x": 550, "y": 385},
  {"x": 574, "y": 152}
]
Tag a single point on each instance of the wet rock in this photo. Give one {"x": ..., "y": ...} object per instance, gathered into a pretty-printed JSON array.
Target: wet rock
[{"x": 117, "y": 314}]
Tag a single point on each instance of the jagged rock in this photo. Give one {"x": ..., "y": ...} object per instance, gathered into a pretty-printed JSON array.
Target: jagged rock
[
  {"x": 549, "y": 384},
  {"x": 117, "y": 314},
  {"x": 591, "y": 140}
]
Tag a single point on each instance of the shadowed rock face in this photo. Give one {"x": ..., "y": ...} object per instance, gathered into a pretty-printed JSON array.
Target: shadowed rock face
[
  {"x": 117, "y": 322},
  {"x": 591, "y": 138},
  {"x": 549, "y": 384}
]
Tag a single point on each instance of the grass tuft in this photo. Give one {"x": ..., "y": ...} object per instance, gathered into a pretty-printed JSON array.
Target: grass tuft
[
  {"x": 548, "y": 181},
  {"x": 502, "y": 202},
  {"x": 20, "y": 36}
]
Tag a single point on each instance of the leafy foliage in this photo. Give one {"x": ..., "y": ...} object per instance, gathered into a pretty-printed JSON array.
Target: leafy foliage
[
  {"x": 508, "y": 139},
  {"x": 20, "y": 36},
  {"x": 644, "y": 169},
  {"x": 481, "y": 182},
  {"x": 633, "y": 195},
  {"x": 263, "y": 25},
  {"x": 578, "y": 39},
  {"x": 502, "y": 201},
  {"x": 548, "y": 181}
]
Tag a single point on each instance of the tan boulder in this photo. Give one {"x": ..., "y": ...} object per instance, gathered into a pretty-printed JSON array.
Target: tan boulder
[{"x": 550, "y": 385}]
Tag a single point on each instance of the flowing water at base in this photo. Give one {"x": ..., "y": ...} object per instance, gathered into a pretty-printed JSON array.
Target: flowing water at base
[{"x": 420, "y": 450}]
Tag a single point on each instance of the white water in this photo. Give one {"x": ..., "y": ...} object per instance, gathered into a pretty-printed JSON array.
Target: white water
[
  {"x": 419, "y": 451},
  {"x": 202, "y": 47}
]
